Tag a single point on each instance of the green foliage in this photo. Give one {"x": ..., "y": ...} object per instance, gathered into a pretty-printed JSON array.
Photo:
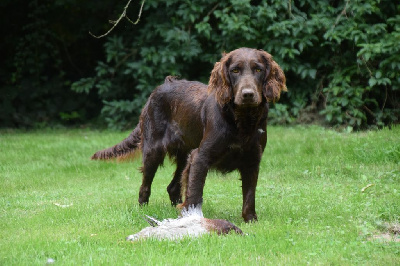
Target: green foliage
[
  {"x": 280, "y": 114},
  {"x": 341, "y": 59},
  {"x": 364, "y": 84}
]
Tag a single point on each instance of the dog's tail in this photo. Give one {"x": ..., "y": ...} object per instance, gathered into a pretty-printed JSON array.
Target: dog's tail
[{"x": 122, "y": 150}]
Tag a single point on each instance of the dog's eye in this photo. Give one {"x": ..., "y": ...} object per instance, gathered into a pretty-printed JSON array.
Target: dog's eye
[
  {"x": 258, "y": 69},
  {"x": 235, "y": 70}
]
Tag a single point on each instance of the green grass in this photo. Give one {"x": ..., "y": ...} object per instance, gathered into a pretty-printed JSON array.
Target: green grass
[{"x": 309, "y": 201}]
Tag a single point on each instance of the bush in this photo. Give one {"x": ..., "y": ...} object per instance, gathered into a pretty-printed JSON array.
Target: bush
[{"x": 341, "y": 58}]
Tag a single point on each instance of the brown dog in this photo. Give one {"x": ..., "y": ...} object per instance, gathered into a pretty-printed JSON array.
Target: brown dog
[{"x": 220, "y": 126}]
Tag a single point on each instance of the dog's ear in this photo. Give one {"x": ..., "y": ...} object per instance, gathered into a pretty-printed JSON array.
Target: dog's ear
[
  {"x": 219, "y": 83},
  {"x": 275, "y": 80}
]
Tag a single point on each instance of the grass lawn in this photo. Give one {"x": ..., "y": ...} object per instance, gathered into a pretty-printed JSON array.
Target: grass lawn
[{"x": 323, "y": 197}]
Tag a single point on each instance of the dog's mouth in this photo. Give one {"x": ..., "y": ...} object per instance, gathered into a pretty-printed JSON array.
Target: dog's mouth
[{"x": 247, "y": 102}]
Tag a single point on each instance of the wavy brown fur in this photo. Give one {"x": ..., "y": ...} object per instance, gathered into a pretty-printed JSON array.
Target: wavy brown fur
[{"x": 124, "y": 150}]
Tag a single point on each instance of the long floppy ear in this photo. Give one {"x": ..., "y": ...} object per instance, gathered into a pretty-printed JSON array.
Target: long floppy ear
[
  {"x": 219, "y": 83},
  {"x": 275, "y": 80}
]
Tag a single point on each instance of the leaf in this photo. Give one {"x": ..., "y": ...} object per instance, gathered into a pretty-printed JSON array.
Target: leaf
[
  {"x": 372, "y": 82},
  {"x": 329, "y": 117},
  {"x": 83, "y": 85},
  {"x": 313, "y": 73},
  {"x": 367, "y": 56},
  {"x": 366, "y": 187}
]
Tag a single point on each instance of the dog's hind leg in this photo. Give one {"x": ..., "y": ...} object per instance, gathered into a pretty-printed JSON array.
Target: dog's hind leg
[
  {"x": 174, "y": 188},
  {"x": 151, "y": 161}
]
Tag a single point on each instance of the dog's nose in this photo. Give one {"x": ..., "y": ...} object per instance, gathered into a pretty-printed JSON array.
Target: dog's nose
[{"x": 247, "y": 94}]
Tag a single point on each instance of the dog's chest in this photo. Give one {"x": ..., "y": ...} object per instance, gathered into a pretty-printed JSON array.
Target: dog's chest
[{"x": 237, "y": 151}]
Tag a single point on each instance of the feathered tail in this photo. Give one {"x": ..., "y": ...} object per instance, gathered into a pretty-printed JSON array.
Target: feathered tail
[{"x": 123, "y": 149}]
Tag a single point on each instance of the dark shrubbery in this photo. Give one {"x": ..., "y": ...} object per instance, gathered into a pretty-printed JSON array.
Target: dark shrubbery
[
  {"x": 341, "y": 58},
  {"x": 45, "y": 48}
]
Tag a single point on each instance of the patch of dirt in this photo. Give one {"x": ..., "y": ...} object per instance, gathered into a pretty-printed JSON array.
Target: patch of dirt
[
  {"x": 391, "y": 234},
  {"x": 385, "y": 237}
]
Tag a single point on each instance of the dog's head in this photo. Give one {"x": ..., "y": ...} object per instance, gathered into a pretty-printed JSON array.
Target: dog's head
[{"x": 246, "y": 76}]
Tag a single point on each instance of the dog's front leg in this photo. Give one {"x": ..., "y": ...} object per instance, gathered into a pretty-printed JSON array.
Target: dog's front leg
[
  {"x": 249, "y": 183},
  {"x": 194, "y": 178}
]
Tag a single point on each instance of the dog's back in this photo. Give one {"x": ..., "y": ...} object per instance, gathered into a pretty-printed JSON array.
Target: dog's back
[{"x": 172, "y": 116}]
